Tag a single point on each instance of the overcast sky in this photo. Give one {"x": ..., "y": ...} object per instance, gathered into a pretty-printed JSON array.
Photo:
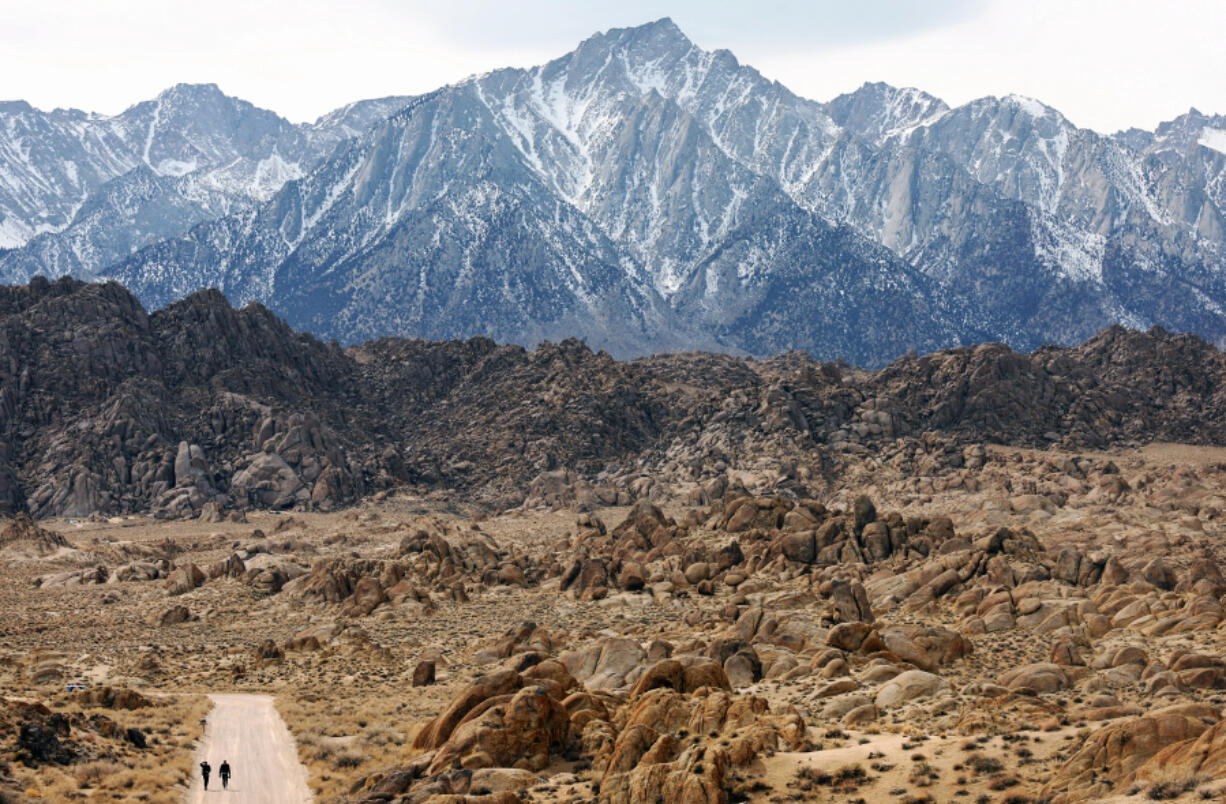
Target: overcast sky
[{"x": 1107, "y": 64}]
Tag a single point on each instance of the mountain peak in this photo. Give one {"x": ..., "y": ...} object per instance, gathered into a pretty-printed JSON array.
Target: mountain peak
[
  {"x": 196, "y": 92},
  {"x": 15, "y": 107},
  {"x": 1029, "y": 105},
  {"x": 893, "y": 94},
  {"x": 661, "y": 35},
  {"x": 877, "y": 109},
  {"x": 186, "y": 97},
  {"x": 1193, "y": 127},
  {"x": 1192, "y": 118},
  {"x": 664, "y": 26}
]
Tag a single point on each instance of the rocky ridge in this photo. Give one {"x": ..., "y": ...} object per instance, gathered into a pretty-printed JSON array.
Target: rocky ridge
[
  {"x": 203, "y": 409},
  {"x": 86, "y": 190}
]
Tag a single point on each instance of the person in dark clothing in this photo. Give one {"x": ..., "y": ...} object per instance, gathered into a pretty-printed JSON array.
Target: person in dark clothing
[
  {"x": 224, "y": 771},
  {"x": 205, "y": 770}
]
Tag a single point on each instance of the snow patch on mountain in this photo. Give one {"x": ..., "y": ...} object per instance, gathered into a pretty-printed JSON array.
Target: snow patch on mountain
[
  {"x": 175, "y": 167},
  {"x": 13, "y": 233},
  {"x": 1030, "y": 106},
  {"x": 1075, "y": 255},
  {"x": 1214, "y": 138}
]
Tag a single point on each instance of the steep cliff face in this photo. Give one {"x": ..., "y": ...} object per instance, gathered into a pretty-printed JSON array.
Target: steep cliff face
[{"x": 98, "y": 395}]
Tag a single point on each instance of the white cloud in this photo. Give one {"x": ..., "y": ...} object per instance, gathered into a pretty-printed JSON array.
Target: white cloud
[
  {"x": 300, "y": 59},
  {"x": 1105, "y": 64},
  {"x": 772, "y": 23}
]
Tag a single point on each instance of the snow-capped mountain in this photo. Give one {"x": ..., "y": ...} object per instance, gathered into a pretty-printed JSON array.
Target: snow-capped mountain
[
  {"x": 570, "y": 199},
  {"x": 646, "y": 194},
  {"x": 82, "y": 191}
]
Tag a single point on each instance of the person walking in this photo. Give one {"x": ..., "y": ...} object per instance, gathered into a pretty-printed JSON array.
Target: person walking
[
  {"x": 205, "y": 770},
  {"x": 224, "y": 771}
]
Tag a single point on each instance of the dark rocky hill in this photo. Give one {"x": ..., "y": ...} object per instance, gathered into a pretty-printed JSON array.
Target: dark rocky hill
[{"x": 107, "y": 408}]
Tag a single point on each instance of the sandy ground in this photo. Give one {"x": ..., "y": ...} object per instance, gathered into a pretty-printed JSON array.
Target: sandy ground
[
  {"x": 896, "y": 765},
  {"x": 247, "y": 731}
]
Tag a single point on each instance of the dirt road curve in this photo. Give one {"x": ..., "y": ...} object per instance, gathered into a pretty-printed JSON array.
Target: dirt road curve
[{"x": 247, "y": 731}]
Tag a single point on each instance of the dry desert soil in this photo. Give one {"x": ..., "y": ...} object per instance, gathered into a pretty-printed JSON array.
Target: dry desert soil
[{"x": 1032, "y": 625}]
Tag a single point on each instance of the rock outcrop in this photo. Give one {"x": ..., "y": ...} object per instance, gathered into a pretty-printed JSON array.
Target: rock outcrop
[
  {"x": 23, "y": 538},
  {"x": 637, "y": 743},
  {"x": 200, "y": 405}
]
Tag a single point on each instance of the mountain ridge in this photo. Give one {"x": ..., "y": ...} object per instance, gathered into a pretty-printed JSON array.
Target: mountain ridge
[
  {"x": 646, "y": 180},
  {"x": 212, "y": 154}
]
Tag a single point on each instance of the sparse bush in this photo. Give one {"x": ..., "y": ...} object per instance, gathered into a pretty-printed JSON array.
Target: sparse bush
[
  {"x": 1003, "y": 782},
  {"x": 1166, "y": 789},
  {"x": 91, "y": 774},
  {"x": 985, "y": 765},
  {"x": 381, "y": 736},
  {"x": 349, "y": 758}
]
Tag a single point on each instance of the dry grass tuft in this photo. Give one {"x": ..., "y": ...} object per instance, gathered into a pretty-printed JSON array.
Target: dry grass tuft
[
  {"x": 340, "y": 740},
  {"x": 123, "y": 773}
]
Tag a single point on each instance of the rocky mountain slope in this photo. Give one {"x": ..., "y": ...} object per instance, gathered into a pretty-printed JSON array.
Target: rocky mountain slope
[
  {"x": 107, "y": 408},
  {"x": 643, "y": 194},
  {"x": 83, "y": 191}
]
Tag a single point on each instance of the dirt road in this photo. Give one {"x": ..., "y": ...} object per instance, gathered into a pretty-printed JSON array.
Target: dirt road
[{"x": 247, "y": 731}]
